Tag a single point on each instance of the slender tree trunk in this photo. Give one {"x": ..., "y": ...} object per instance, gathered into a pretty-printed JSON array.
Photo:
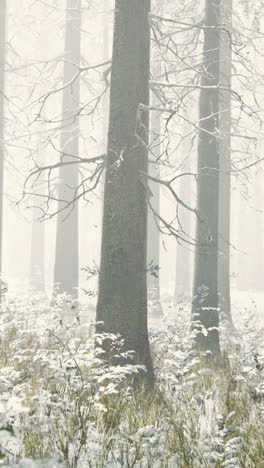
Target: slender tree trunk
[
  {"x": 225, "y": 162},
  {"x": 153, "y": 254},
  {"x": 66, "y": 273},
  {"x": 257, "y": 240},
  {"x": 205, "y": 293},
  {"x": 2, "y": 91},
  {"x": 37, "y": 248},
  {"x": 105, "y": 57},
  {"x": 153, "y": 228},
  {"x": 183, "y": 252},
  {"x": 105, "y": 122},
  {"x": 122, "y": 301},
  {"x": 244, "y": 240},
  {"x": 251, "y": 257},
  {"x": 37, "y": 254}
]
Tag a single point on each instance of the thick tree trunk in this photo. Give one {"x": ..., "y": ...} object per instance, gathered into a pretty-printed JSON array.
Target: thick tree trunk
[
  {"x": 66, "y": 273},
  {"x": 2, "y": 91},
  {"x": 205, "y": 293},
  {"x": 122, "y": 301},
  {"x": 225, "y": 162}
]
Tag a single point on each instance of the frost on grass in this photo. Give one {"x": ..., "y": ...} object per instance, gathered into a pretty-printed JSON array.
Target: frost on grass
[{"x": 62, "y": 405}]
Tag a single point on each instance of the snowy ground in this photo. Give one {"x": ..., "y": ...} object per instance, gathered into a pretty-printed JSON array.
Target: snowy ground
[{"x": 58, "y": 399}]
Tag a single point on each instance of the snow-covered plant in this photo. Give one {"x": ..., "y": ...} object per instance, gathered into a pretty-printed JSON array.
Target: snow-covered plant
[{"x": 62, "y": 403}]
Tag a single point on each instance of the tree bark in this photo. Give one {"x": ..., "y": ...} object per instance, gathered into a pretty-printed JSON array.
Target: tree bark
[
  {"x": 37, "y": 248},
  {"x": 2, "y": 98},
  {"x": 256, "y": 240},
  {"x": 153, "y": 254},
  {"x": 122, "y": 301},
  {"x": 153, "y": 227},
  {"x": 183, "y": 251},
  {"x": 244, "y": 263},
  {"x": 225, "y": 162},
  {"x": 105, "y": 57},
  {"x": 205, "y": 293},
  {"x": 37, "y": 254},
  {"x": 250, "y": 254},
  {"x": 66, "y": 272}
]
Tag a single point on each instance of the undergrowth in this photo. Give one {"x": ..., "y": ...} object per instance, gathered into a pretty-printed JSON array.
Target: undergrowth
[{"x": 62, "y": 405}]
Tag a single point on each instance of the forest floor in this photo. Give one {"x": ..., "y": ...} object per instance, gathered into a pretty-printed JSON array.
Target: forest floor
[{"x": 61, "y": 405}]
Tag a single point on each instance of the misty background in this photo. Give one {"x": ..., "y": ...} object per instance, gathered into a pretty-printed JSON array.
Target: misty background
[{"x": 35, "y": 44}]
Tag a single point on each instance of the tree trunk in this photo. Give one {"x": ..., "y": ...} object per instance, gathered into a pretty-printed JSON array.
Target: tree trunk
[
  {"x": 105, "y": 57},
  {"x": 250, "y": 258},
  {"x": 37, "y": 248},
  {"x": 2, "y": 91},
  {"x": 225, "y": 162},
  {"x": 244, "y": 268},
  {"x": 66, "y": 273},
  {"x": 153, "y": 229},
  {"x": 122, "y": 301},
  {"x": 153, "y": 254},
  {"x": 183, "y": 252},
  {"x": 205, "y": 293},
  {"x": 256, "y": 240},
  {"x": 37, "y": 254}
]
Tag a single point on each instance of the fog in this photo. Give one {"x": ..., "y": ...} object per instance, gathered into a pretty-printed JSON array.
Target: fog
[{"x": 131, "y": 240}]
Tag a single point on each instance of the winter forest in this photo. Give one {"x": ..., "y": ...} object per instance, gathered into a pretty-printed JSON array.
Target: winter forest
[{"x": 131, "y": 224}]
